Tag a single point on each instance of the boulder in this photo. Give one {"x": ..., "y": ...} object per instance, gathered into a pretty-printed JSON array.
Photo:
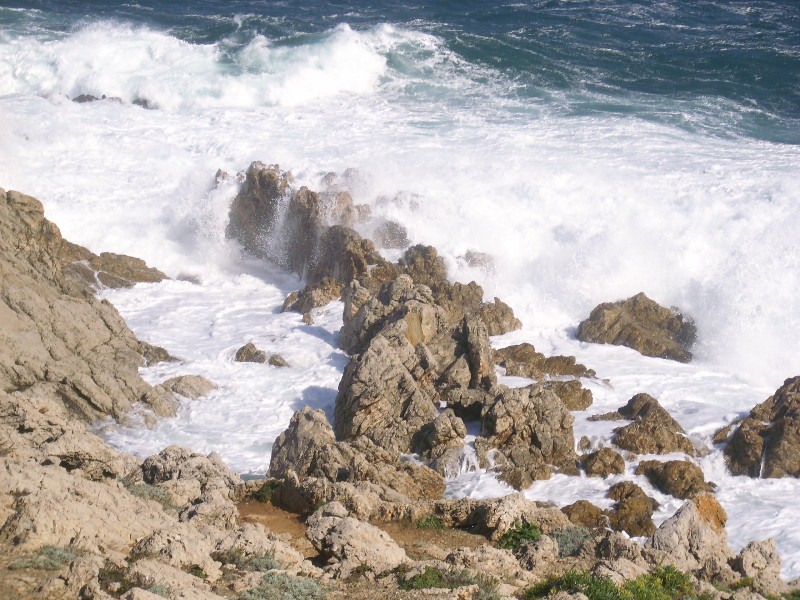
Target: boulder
[
  {"x": 586, "y": 514},
  {"x": 603, "y": 462},
  {"x": 572, "y": 394},
  {"x": 313, "y": 296},
  {"x": 523, "y": 360},
  {"x": 643, "y": 325},
  {"x": 348, "y": 544},
  {"x": 653, "y": 430},
  {"x": 531, "y": 431},
  {"x": 190, "y": 386},
  {"x": 633, "y": 511},
  {"x": 391, "y": 235},
  {"x": 760, "y": 562},
  {"x": 175, "y": 464},
  {"x": 108, "y": 269},
  {"x": 767, "y": 442},
  {"x": 250, "y": 353},
  {"x": 679, "y": 478}
]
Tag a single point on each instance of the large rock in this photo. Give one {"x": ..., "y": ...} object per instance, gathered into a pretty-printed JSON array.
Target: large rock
[
  {"x": 679, "y": 478},
  {"x": 56, "y": 340},
  {"x": 633, "y": 511},
  {"x": 767, "y": 442},
  {"x": 760, "y": 562},
  {"x": 603, "y": 462},
  {"x": 524, "y": 361},
  {"x": 531, "y": 431},
  {"x": 653, "y": 430},
  {"x": 643, "y": 325}
]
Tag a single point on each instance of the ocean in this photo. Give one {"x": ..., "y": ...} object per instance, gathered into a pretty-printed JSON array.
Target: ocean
[{"x": 593, "y": 148}]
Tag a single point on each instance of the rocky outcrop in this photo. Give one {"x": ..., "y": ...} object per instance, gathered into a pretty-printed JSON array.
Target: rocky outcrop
[
  {"x": 603, "y": 462},
  {"x": 643, "y": 325},
  {"x": 524, "y": 361},
  {"x": 633, "y": 511},
  {"x": 250, "y": 353},
  {"x": 653, "y": 430},
  {"x": 106, "y": 270},
  {"x": 313, "y": 296},
  {"x": 679, "y": 478},
  {"x": 531, "y": 431},
  {"x": 767, "y": 442}
]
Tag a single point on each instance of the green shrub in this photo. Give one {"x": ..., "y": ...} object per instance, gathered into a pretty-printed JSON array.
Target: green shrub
[
  {"x": 264, "y": 493},
  {"x": 662, "y": 583},
  {"x": 793, "y": 595},
  {"x": 744, "y": 582},
  {"x": 49, "y": 558},
  {"x": 159, "y": 590},
  {"x": 570, "y": 540},
  {"x": 432, "y": 577},
  {"x": 520, "y": 534},
  {"x": 430, "y": 522},
  {"x": 112, "y": 577},
  {"x": 150, "y": 492},
  {"x": 197, "y": 571},
  {"x": 264, "y": 562},
  {"x": 278, "y": 586}
]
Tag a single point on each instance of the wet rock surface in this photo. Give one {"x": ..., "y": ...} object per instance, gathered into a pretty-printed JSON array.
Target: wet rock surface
[
  {"x": 653, "y": 430},
  {"x": 643, "y": 325},
  {"x": 678, "y": 478}
]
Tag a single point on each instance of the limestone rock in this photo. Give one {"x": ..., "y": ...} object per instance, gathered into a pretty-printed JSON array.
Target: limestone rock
[
  {"x": 347, "y": 543},
  {"x": 276, "y": 360},
  {"x": 180, "y": 546},
  {"x": 760, "y": 561},
  {"x": 532, "y": 432},
  {"x": 436, "y": 440},
  {"x": 767, "y": 442},
  {"x": 190, "y": 386},
  {"x": 653, "y": 430},
  {"x": 603, "y": 462},
  {"x": 108, "y": 269},
  {"x": 643, "y": 325},
  {"x": 176, "y": 463},
  {"x": 586, "y": 514},
  {"x": 496, "y": 517},
  {"x": 679, "y": 478},
  {"x": 313, "y": 296},
  {"x": 572, "y": 394},
  {"x": 539, "y": 556},
  {"x": 250, "y": 353},
  {"x": 633, "y": 511},
  {"x": 392, "y": 235},
  {"x": 524, "y": 361}
]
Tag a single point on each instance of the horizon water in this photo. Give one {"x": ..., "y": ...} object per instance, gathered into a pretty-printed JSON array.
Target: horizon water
[{"x": 593, "y": 149}]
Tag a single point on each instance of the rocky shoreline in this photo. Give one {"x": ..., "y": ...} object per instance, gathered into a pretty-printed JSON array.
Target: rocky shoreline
[{"x": 81, "y": 520}]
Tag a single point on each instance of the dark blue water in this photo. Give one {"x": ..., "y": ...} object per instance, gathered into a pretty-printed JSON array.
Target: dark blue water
[{"x": 724, "y": 68}]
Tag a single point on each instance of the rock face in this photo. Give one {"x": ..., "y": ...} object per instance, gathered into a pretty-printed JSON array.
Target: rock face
[
  {"x": 57, "y": 340},
  {"x": 653, "y": 430},
  {"x": 679, "y": 478},
  {"x": 643, "y": 325},
  {"x": 767, "y": 442}
]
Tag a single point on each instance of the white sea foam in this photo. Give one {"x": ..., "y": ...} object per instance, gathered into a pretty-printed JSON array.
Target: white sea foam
[{"x": 573, "y": 210}]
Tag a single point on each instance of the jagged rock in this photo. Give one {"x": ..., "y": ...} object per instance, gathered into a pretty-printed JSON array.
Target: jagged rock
[
  {"x": 524, "y": 361},
  {"x": 760, "y": 561},
  {"x": 392, "y": 235},
  {"x": 572, "y": 394},
  {"x": 180, "y": 584},
  {"x": 653, "y": 430},
  {"x": 181, "y": 546},
  {"x": 540, "y": 555},
  {"x": 586, "y": 514},
  {"x": 617, "y": 546},
  {"x": 57, "y": 340},
  {"x": 485, "y": 559},
  {"x": 276, "y": 360},
  {"x": 190, "y": 386},
  {"x": 176, "y": 463},
  {"x": 679, "y": 478},
  {"x": 695, "y": 540},
  {"x": 83, "y": 98},
  {"x": 603, "y": 462},
  {"x": 213, "y": 507},
  {"x": 347, "y": 543},
  {"x": 313, "y": 296},
  {"x": 767, "y": 442},
  {"x": 250, "y": 353},
  {"x": 532, "y": 432},
  {"x": 444, "y": 434},
  {"x": 633, "y": 511},
  {"x": 309, "y": 449},
  {"x": 643, "y": 325},
  {"x": 108, "y": 269},
  {"x": 496, "y": 517}
]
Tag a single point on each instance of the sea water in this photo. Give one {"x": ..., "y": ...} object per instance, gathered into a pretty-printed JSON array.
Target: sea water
[{"x": 593, "y": 149}]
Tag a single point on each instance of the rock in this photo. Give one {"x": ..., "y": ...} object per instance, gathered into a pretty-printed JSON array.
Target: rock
[
  {"x": 679, "y": 478},
  {"x": 176, "y": 463},
  {"x": 276, "y": 360},
  {"x": 190, "y": 386},
  {"x": 83, "y": 98},
  {"x": 572, "y": 394},
  {"x": 297, "y": 447},
  {"x": 653, "y": 430},
  {"x": 446, "y": 432},
  {"x": 108, "y": 269},
  {"x": 249, "y": 353},
  {"x": 348, "y": 544},
  {"x": 57, "y": 341},
  {"x": 695, "y": 540},
  {"x": 767, "y": 442},
  {"x": 485, "y": 559},
  {"x": 313, "y": 296},
  {"x": 532, "y": 432},
  {"x": 643, "y": 325},
  {"x": 603, "y": 462},
  {"x": 391, "y": 235},
  {"x": 586, "y": 514},
  {"x": 760, "y": 562},
  {"x": 180, "y": 546},
  {"x": 494, "y": 518},
  {"x": 523, "y": 360},
  {"x": 633, "y": 512},
  {"x": 539, "y": 556}
]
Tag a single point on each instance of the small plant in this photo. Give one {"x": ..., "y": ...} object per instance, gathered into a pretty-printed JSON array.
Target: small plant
[
  {"x": 793, "y": 595},
  {"x": 150, "y": 492},
  {"x": 520, "y": 534},
  {"x": 570, "y": 540},
  {"x": 264, "y": 493},
  {"x": 50, "y": 558},
  {"x": 662, "y": 583},
  {"x": 432, "y": 577},
  {"x": 263, "y": 562},
  {"x": 112, "y": 579},
  {"x": 197, "y": 571},
  {"x": 284, "y": 587},
  {"x": 430, "y": 522},
  {"x": 744, "y": 582},
  {"x": 159, "y": 590}
]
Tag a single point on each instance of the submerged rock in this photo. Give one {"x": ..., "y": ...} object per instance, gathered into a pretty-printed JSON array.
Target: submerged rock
[
  {"x": 767, "y": 442},
  {"x": 250, "y": 353},
  {"x": 643, "y": 325}
]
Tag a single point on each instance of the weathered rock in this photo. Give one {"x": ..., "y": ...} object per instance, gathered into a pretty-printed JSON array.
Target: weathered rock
[
  {"x": 190, "y": 386},
  {"x": 532, "y": 432},
  {"x": 572, "y": 394},
  {"x": 633, "y": 511},
  {"x": 180, "y": 546},
  {"x": 392, "y": 235},
  {"x": 603, "y": 462},
  {"x": 767, "y": 442},
  {"x": 250, "y": 353},
  {"x": 524, "y": 361},
  {"x": 445, "y": 433},
  {"x": 540, "y": 555},
  {"x": 108, "y": 269},
  {"x": 176, "y": 463},
  {"x": 586, "y": 514},
  {"x": 347, "y": 543},
  {"x": 653, "y": 430},
  {"x": 313, "y": 296},
  {"x": 760, "y": 562},
  {"x": 496, "y": 517},
  {"x": 643, "y": 325},
  {"x": 57, "y": 340},
  {"x": 679, "y": 478},
  {"x": 695, "y": 540}
]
